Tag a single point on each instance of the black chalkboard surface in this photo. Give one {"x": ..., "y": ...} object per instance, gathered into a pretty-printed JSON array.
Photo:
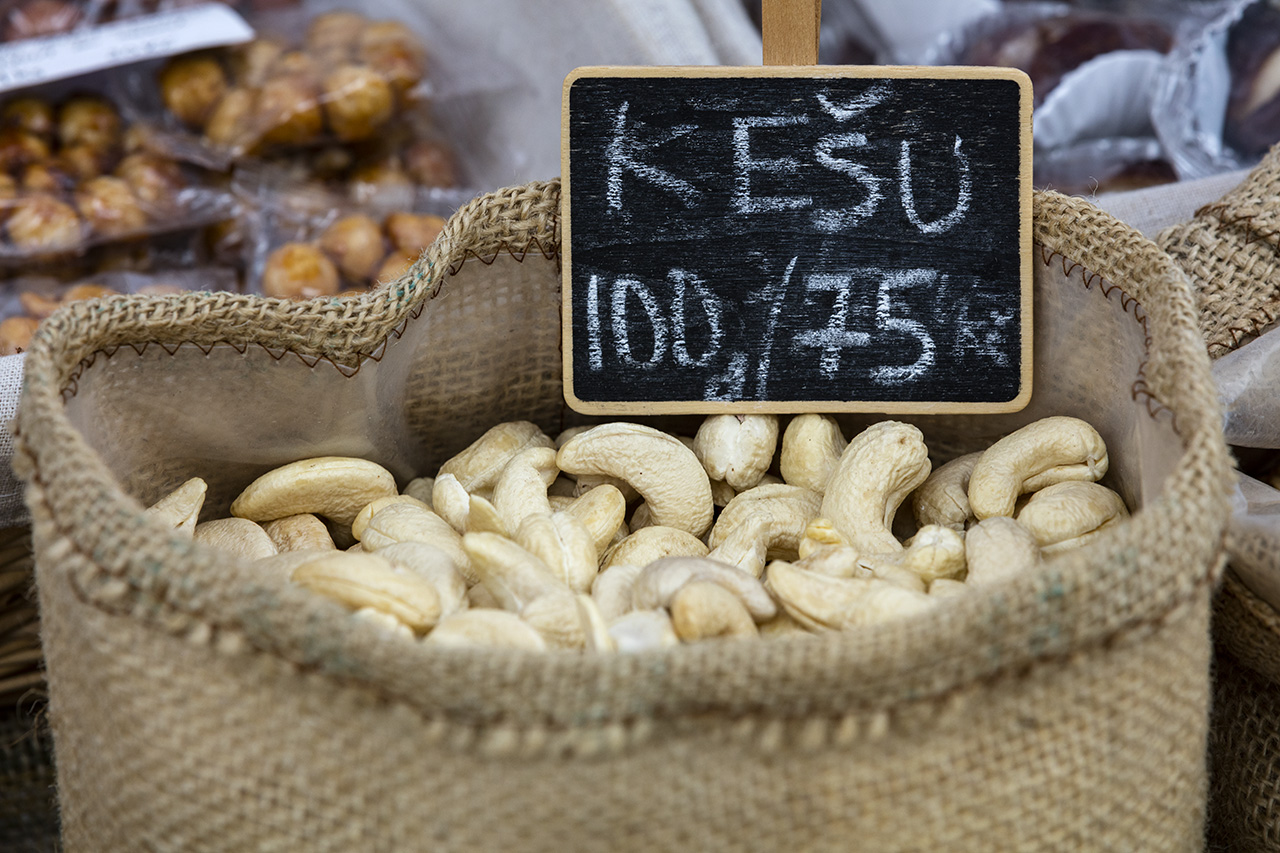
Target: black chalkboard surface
[{"x": 797, "y": 239}]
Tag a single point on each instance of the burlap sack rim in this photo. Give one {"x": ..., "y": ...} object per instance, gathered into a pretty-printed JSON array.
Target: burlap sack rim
[
  {"x": 1127, "y": 585},
  {"x": 1247, "y": 627}
]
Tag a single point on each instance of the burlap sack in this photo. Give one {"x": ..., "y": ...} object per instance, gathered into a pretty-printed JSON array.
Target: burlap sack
[
  {"x": 197, "y": 705},
  {"x": 1231, "y": 253}
]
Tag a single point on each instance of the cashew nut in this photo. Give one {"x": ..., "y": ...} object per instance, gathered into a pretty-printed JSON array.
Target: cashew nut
[
  {"x": 521, "y": 489},
  {"x": 1067, "y": 515},
  {"x": 722, "y": 493},
  {"x": 564, "y": 544},
  {"x": 283, "y": 563},
  {"x": 944, "y": 497},
  {"x": 935, "y": 552},
  {"x": 336, "y": 487},
  {"x": 479, "y": 596},
  {"x": 820, "y": 602},
  {"x": 435, "y": 567},
  {"x": 1053, "y": 449},
  {"x": 702, "y": 610},
  {"x": 643, "y": 631},
  {"x": 596, "y": 629},
  {"x": 662, "y": 579},
  {"x": 361, "y": 520},
  {"x": 304, "y": 532},
  {"x": 420, "y": 488},
  {"x": 811, "y": 449},
  {"x": 237, "y": 536},
  {"x": 949, "y": 588},
  {"x": 737, "y": 448},
  {"x": 819, "y": 533},
  {"x": 405, "y": 522},
  {"x": 602, "y": 510},
  {"x": 653, "y": 543},
  {"x": 558, "y": 619},
  {"x": 745, "y": 545},
  {"x": 480, "y": 464},
  {"x": 665, "y": 472},
  {"x": 838, "y": 561},
  {"x": 180, "y": 509},
  {"x": 482, "y": 517},
  {"x": 878, "y": 469},
  {"x": 641, "y": 518},
  {"x": 514, "y": 576},
  {"x": 612, "y": 589},
  {"x": 367, "y": 580},
  {"x": 790, "y": 509},
  {"x": 998, "y": 548},
  {"x": 451, "y": 502},
  {"x": 783, "y": 625},
  {"x": 492, "y": 629}
]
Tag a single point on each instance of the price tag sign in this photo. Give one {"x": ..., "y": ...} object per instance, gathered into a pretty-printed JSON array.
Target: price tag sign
[{"x": 784, "y": 239}]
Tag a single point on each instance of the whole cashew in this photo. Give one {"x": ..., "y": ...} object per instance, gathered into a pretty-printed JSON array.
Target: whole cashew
[
  {"x": 483, "y": 517},
  {"x": 998, "y": 548},
  {"x": 361, "y": 520},
  {"x": 557, "y": 617},
  {"x": 597, "y": 630},
  {"x": 820, "y": 602},
  {"x": 480, "y": 464},
  {"x": 514, "y": 576},
  {"x": 521, "y": 489},
  {"x": 367, "y": 580},
  {"x": 564, "y": 544},
  {"x": 180, "y": 509},
  {"x": 237, "y": 536},
  {"x": 643, "y": 631},
  {"x": 737, "y": 448},
  {"x": 491, "y": 629},
  {"x": 811, "y": 449},
  {"x": 790, "y": 509},
  {"x": 746, "y": 544},
  {"x": 944, "y": 497},
  {"x": 1066, "y": 515},
  {"x": 435, "y": 567},
  {"x": 612, "y": 590},
  {"x": 879, "y": 468},
  {"x": 653, "y": 543},
  {"x": 703, "y": 610},
  {"x": 304, "y": 532},
  {"x": 662, "y": 579},
  {"x": 819, "y": 533},
  {"x": 665, "y": 472},
  {"x": 602, "y": 510},
  {"x": 420, "y": 488},
  {"x": 336, "y": 487},
  {"x": 935, "y": 552},
  {"x": 1068, "y": 447},
  {"x": 451, "y": 502},
  {"x": 405, "y": 522}
]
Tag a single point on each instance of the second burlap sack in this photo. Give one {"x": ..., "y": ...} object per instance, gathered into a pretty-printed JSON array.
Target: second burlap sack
[{"x": 200, "y": 705}]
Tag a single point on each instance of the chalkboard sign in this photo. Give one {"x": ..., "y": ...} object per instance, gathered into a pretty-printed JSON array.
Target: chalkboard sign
[{"x": 791, "y": 239}]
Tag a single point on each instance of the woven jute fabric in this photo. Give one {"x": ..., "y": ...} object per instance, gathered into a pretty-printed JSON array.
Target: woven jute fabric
[
  {"x": 198, "y": 706},
  {"x": 1231, "y": 253}
]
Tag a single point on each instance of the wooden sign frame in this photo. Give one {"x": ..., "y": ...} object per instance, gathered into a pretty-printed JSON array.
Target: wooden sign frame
[{"x": 703, "y": 406}]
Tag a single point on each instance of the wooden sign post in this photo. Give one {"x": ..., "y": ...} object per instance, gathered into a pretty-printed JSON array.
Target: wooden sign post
[{"x": 797, "y": 238}]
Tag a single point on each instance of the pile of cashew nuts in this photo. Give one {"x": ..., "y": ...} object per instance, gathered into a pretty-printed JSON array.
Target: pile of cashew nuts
[{"x": 622, "y": 538}]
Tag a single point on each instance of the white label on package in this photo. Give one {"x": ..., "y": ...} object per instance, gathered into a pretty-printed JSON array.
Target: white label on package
[{"x": 43, "y": 60}]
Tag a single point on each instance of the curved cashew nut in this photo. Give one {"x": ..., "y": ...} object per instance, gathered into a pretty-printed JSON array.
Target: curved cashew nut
[
  {"x": 597, "y": 630},
  {"x": 643, "y": 631},
  {"x": 385, "y": 621},
  {"x": 512, "y": 574},
  {"x": 584, "y": 483},
  {"x": 180, "y": 509},
  {"x": 521, "y": 489},
  {"x": 564, "y": 544},
  {"x": 820, "y": 602},
  {"x": 480, "y": 464},
  {"x": 336, "y": 487},
  {"x": 661, "y": 579},
  {"x": 451, "y": 502},
  {"x": 790, "y": 509},
  {"x": 817, "y": 534},
  {"x": 935, "y": 552},
  {"x": 420, "y": 488},
  {"x": 612, "y": 588},
  {"x": 944, "y": 497},
  {"x": 838, "y": 561},
  {"x": 665, "y": 472},
  {"x": 722, "y": 493},
  {"x": 737, "y": 448},
  {"x": 702, "y": 610},
  {"x": 435, "y": 567},
  {"x": 783, "y": 625},
  {"x": 1058, "y": 447},
  {"x": 361, "y": 520},
  {"x": 237, "y": 536},
  {"x": 305, "y": 532},
  {"x": 557, "y": 617},
  {"x": 1066, "y": 515},
  {"x": 483, "y": 517},
  {"x": 283, "y": 563},
  {"x": 653, "y": 543},
  {"x": 405, "y": 522},
  {"x": 486, "y": 629},
  {"x": 367, "y": 580},
  {"x": 880, "y": 467},
  {"x": 746, "y": 544},
  {"x": 998, "y": 548},
  {"x": 811, "y": 449},
  {"x": 602, "y": 510}
]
